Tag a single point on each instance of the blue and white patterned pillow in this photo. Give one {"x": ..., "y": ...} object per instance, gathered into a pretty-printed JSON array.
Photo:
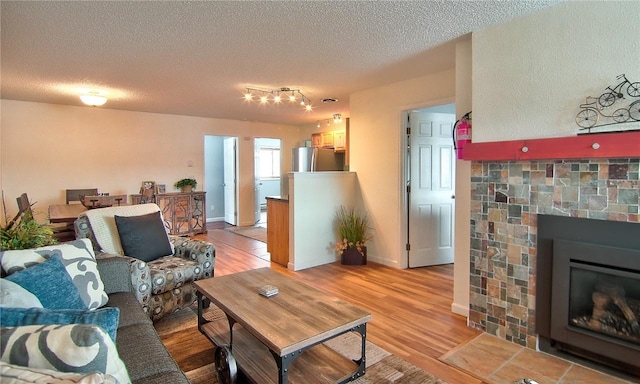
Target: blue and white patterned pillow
[
  {"x": 79, "y": 348},
  {"x": 78, "y": 259}
]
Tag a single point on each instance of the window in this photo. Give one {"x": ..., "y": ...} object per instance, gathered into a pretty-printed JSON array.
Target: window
[{"x": 269, "y": 162}]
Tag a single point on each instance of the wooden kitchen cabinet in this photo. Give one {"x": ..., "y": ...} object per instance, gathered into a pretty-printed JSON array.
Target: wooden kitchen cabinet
[
  {"x": 183, "y": 213},
  {"x": 339, "y": 141},
  {"x": 327, "y": 139},
  {"x": 316, "y": 140},
  {"x": 278, "y": 230}
]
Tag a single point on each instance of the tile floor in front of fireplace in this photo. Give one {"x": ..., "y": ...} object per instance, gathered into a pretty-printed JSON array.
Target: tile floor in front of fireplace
[{"x": 498, "y": 361}]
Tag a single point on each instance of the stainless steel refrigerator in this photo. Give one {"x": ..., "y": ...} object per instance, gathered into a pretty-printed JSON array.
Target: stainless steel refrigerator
[{"x": 310, "y": 159}]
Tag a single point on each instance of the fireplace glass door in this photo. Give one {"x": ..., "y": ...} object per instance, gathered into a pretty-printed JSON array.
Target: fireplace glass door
[
  {"x": 596, "y": 302},
  {"x": 605, "y": 301}
]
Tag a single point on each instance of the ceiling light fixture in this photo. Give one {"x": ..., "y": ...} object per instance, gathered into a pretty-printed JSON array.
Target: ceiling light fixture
[
  {"x": 274, "y": 95},
  {"x": 337, "y": 118},
  {"x": 93, "y": 99}
]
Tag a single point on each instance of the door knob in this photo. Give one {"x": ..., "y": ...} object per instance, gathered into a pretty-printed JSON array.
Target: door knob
[{"x": 453, "y": 196}]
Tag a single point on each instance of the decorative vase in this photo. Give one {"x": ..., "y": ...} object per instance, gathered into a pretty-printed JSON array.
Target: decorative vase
[
  {"x": 351, "y": 256},
  {"x": 186, "y": 188}
]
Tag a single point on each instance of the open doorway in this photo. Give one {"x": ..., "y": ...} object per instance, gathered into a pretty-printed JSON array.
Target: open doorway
[
  {"x": 267, "y": 156},
  {"x": 220, "y": 169},
  {"x": 429, "y": 177}
]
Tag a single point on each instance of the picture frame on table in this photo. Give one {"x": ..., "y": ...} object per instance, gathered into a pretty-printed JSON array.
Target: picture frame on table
[{"x": 162, "y": 188}]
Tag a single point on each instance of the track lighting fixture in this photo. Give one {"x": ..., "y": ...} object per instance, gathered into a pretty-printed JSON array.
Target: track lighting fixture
[
  {"x": 337, "y": 118},
  {"x": 275, "y": 96}
]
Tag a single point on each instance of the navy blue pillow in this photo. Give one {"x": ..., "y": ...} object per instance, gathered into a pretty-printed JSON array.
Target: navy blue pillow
[
  {"x": 51, "y": 284},
  {"x": 143, "y": 237},
  {"x": 106, "y": 318}
]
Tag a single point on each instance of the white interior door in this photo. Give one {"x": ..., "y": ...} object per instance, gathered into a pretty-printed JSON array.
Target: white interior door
[
  {"x": 432, "y": 186},
  {"x": 230, "y": 180}
]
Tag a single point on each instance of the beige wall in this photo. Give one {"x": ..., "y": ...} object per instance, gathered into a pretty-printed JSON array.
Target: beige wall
[
  {"x": 462, "y": 261},
  {"x": 376, "y": 132},
  {"x": 531, "y": 75},
  {"x": 48, "y": 148}
]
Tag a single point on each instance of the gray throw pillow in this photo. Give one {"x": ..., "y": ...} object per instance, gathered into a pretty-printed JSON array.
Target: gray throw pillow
[{"x": 143, "y": 237}]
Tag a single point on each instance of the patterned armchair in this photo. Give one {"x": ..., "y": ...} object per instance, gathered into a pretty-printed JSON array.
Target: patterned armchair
[{"x": 164, "y": 285}]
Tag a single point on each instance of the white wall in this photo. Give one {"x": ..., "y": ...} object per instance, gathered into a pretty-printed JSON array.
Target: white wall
[
  {"x": 530, "y": 75},
  {"x": 48, "y": 148},
  {"x": 376, "y": 131},
  {"x": 314, "y": 198}
]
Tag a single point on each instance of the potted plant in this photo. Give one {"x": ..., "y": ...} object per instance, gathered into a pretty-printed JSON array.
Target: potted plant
[
  {"x": 24, "y": 232},
  {"x": 353, "y": 231},
  {"x": 186, "y": 185}
]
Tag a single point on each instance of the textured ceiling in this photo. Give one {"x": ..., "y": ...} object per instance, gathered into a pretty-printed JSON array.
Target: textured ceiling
[{"x": 195, "y": 58}]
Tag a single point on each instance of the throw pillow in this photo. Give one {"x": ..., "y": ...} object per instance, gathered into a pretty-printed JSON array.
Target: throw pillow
[
  {"x": 78, "y": 259},
  {"x": 51, "y": 284},
  {"x": 15, "y": 374},
  {"x": 143, "y": 237},
  {"x": 79, "y": 348},
  {"x": 13, "y": 295},
  {"x": 107, "y": 318}
]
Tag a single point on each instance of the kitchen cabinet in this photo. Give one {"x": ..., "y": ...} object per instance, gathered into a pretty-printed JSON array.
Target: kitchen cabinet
[
  {"x": 183, "y": 213},
  {"x": 278, "y": 230},
  {"x": 327, "y": 139},
  {"x": 316, "y": 140},
  {"x": 339, "y": 141}
]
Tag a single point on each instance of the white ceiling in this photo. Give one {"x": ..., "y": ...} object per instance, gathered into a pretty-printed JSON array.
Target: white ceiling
[{"x": 195, "y": 58}]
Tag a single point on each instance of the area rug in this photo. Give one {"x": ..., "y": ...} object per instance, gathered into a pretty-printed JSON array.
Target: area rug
[
  {"x": 382, "y": 367},
  {"x": 256, "y": 233}
]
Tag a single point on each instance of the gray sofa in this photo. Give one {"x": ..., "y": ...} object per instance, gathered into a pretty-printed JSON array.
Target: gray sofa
[{"x": 138, "y": 343}]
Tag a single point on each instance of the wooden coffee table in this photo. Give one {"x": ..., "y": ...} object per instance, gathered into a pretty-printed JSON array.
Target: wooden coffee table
[{"x": 289, "y": 328}]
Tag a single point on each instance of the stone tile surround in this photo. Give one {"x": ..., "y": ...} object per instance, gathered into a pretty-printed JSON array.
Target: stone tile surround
[{"x": 506, "y": 197}]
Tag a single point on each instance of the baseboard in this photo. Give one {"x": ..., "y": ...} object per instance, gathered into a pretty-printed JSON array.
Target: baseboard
[
  {"x": 214, "y": 219},
  {"x": 460, "y": 309}
]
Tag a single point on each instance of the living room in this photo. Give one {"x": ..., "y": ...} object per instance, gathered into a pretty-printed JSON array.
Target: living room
[{"x": 524, "y": 79}]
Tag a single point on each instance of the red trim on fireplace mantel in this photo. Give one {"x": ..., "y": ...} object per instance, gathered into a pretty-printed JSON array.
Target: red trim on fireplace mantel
[{"x": 606, "y": 145}]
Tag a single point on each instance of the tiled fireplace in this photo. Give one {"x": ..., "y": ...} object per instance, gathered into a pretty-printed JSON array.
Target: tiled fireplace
[{"x": 507, "y": 197}]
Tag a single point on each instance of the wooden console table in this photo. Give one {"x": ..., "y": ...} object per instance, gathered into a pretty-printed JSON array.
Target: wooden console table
[{"x": 184, "y": 213}]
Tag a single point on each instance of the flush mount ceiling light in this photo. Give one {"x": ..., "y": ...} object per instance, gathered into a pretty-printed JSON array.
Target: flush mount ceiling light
[
  {"x": 93, "y": 99},
  {"x": 337, "y": 118},
  {"x": 276, "y": 96}
]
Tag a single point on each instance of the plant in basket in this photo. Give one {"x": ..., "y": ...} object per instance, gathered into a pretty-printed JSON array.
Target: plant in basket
[{"x": 353, "y": 231}]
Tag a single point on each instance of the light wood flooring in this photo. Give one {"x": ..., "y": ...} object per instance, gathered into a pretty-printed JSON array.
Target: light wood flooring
[
  {"x": 411, "y": 309},
  {"x": 411, "y": 318}
]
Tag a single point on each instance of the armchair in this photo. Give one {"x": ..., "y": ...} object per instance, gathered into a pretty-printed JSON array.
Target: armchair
[{"x": 163, "y": 285}]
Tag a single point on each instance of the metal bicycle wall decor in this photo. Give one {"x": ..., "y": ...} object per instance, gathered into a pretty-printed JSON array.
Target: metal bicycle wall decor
[{"x": 610, "y": 106}]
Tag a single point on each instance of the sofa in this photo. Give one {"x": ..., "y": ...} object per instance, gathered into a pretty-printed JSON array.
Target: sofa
[
  {"x": 65, "y": 315},
  {"x": 161, "y": 271}
]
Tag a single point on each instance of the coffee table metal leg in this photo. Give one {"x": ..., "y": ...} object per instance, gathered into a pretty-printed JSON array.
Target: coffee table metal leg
[
  {"x": 362, "y": 330},
  {"x": 283, "y": 363}
]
